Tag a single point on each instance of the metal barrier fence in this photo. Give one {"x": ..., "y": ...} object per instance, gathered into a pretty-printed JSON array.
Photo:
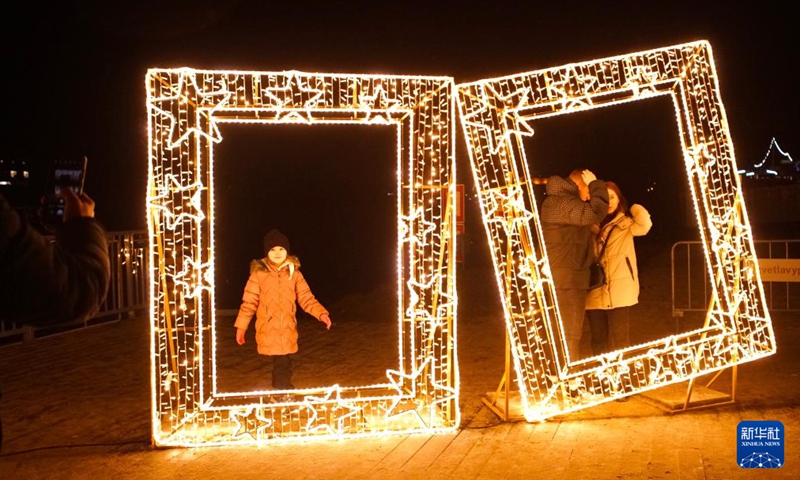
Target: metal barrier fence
[
  {"x": 691, "y": 287},
  {"x": 127, "y": 292}
]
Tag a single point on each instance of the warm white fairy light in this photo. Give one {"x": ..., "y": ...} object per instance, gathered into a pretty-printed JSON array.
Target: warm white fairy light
[
  {"x": 185, "y": 107},
  {"x": 495, "y": 114}
]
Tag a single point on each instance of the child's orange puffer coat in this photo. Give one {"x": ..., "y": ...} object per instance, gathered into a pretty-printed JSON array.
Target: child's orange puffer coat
[{"x": 272, "y": 294}]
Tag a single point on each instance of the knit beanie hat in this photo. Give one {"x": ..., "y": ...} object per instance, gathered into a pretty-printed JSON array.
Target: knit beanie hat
[{"x": 275, "y": 239}]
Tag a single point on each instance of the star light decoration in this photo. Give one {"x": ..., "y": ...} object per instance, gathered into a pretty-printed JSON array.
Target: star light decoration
[
  {"x": 185, "y": 108},
  {"x": 497, "y": 113}
]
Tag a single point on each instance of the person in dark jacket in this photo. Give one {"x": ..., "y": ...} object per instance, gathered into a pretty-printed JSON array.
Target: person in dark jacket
[
  {"x": 44, "y": 282},
  {"x": 569, "y": 210}
]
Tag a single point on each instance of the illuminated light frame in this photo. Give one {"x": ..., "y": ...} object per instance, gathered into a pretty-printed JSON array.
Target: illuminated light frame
[
  {"x": 185, "y": 107},
  {"x": 495, "y": 116}
]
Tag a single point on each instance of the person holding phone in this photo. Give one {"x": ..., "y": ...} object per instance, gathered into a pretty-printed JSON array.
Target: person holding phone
[
  {"x": 67, "y": 174},
  {"x": 44, "y": 282}
]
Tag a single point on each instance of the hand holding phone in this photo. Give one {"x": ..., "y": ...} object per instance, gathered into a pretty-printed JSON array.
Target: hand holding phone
[
  {"x": 68, "y": 175},
  {"x": 76, "y": 205}
]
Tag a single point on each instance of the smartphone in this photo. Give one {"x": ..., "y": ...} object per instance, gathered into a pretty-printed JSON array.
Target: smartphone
[{"x": 67, "y": 173}]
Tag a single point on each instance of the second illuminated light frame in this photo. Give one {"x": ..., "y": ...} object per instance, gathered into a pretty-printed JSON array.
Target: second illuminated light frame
[
  {"x": 497, "y": 113},
  {"x": 185, "y": 107}
]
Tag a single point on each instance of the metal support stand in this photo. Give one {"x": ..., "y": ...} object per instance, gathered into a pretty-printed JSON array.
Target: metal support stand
[
  {"x": 710, "y": 400},
  {"x": 674, "y": 399},
  {"x": 501, "y": 402}
]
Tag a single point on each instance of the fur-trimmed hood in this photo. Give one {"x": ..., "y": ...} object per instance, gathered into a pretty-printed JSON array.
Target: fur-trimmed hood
[
  {"x": 271, "y": 296},
  {"x": 263, "y": 264}
]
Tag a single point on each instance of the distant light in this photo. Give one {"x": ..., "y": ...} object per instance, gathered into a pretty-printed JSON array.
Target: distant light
[{"x": 774, "y": 143}]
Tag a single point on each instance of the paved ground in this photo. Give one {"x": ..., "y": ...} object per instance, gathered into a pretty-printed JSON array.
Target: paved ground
[{"x": 77, "y": 405}]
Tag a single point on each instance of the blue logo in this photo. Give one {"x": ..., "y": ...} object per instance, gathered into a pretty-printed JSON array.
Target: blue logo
[{"x": 759, "y": 444}]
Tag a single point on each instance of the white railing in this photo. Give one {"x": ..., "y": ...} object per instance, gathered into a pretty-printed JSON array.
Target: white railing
[{"x": 127, "y": 291}]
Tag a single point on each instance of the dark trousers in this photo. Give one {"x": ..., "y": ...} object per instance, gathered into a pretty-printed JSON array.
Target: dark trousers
[
  {"x": 610, "y": 329},
  {"x": 282, "y": 372},
  {"x": 572, "y": 305}
]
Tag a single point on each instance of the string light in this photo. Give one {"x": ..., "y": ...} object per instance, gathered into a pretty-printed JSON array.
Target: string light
[
  {"x": 497, "y": 113},
  {"x": 185, "y": 107},
  {"x": 788, "y": 159}
]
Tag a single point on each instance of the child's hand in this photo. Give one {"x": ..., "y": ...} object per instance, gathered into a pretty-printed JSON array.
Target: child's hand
[
  {"x": 326, "y": 319},
  {"x": 240, "y": 336}
]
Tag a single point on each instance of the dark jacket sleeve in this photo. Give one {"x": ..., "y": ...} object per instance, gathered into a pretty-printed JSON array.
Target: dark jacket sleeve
[
  {"x": 46, "y": 282},
  {"x": 568, "y": 208},
  {"x": 81, "y": 253},
  {"x": 598, "y": 200}
]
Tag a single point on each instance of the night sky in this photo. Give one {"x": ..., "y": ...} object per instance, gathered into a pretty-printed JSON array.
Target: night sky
[{"x": 73, "y": 84}]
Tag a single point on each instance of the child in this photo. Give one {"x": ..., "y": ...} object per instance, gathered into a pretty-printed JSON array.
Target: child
[{"x": 272, "y": 293}]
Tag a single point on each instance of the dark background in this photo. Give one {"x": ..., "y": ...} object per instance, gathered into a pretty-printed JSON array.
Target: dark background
[{"x": 73, "y": 84}]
